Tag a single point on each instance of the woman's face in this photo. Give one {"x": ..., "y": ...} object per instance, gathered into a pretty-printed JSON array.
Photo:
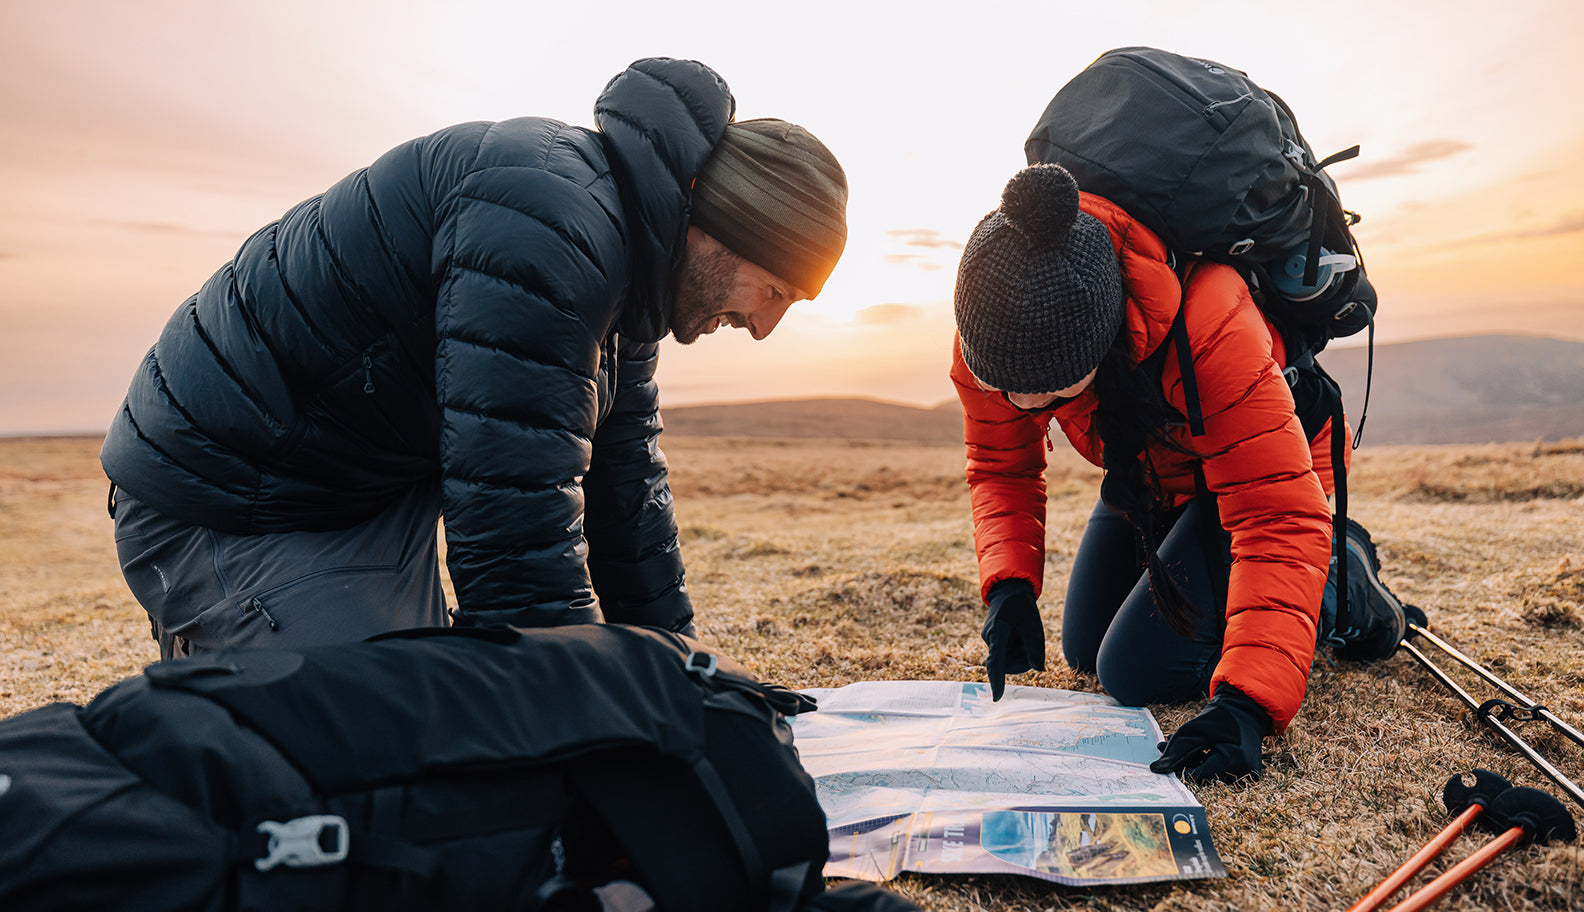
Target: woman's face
[{"x": 1030, "y": 402}]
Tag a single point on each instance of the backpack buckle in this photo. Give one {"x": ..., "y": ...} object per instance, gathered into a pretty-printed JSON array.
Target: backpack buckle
[
  {"x": 702, "y": 664},
  {"x": 299, "y": 843}
]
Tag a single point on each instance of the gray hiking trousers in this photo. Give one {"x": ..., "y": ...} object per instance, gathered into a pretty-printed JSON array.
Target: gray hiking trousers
[{"x": 204, "y": 589}]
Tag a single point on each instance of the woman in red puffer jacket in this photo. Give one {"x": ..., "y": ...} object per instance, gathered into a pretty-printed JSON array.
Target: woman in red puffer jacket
[{"x": 1065, "y": 313}]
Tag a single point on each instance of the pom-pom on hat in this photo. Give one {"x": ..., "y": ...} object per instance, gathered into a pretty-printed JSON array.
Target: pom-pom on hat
[{"x": 1039, "y": 293}]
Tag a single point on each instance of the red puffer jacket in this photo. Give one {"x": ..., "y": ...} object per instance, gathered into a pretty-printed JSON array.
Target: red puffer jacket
[{"x": 1271, "y": 484}]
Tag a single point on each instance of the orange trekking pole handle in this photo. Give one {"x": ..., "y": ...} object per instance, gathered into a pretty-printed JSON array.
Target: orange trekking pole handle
[
  {"x": 1459, "y": 872},
  {"x": 1472, "y": 800},
  {"x": 1373, "y": 899},
  {"x": 1520, "y": 814}
]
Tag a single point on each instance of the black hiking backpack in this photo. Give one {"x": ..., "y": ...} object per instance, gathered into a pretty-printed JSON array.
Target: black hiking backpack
[
  {"x": 1217, "y": 168},
  {"x": 574, "y": 769}
]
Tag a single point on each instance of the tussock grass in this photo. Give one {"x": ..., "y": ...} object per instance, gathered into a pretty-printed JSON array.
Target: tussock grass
[{"x": 820, "y": 563}]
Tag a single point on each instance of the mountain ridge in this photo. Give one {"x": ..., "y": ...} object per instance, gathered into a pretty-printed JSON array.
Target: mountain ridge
[{"x": 1457, "y": 389}]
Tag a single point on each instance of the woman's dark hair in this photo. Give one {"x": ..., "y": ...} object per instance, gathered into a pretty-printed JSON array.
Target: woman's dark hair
[{"x": 1131, "y": 414}]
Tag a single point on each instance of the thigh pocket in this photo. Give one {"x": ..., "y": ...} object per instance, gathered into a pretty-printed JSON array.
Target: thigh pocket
[{"x": 337, "y": 605}]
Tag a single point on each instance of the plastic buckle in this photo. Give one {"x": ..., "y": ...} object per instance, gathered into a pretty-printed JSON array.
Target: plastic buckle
[
  {"x": 703, "y": 664},
  {"x": 296, "y": 843}
]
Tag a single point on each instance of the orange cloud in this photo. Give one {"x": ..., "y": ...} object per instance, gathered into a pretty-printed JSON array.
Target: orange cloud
[
  {"x": 917, "y": 260},
  {"x": 173, "y": 228},
  {"x": 1409, "y": 160},
  {"x": 1568, "y": 224},
  {"x": 928, "y": 245},
  {"x": 923, "y": 237},
  {"x": 887, "y": 314}
]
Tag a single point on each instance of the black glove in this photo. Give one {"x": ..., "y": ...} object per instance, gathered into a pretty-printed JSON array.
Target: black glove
[
  {"x": 1221, "y": 743},
  {"x": 1013, "y": 632}
]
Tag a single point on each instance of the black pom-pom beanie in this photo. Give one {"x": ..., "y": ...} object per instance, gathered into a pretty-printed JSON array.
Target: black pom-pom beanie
[{"x": 1039, "y": 293}]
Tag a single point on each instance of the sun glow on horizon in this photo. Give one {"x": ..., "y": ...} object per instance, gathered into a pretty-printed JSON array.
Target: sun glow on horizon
[{"x": 126, "y": 182}]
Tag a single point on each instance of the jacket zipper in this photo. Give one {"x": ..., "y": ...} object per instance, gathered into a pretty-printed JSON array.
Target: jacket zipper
[
  {"x": 1047, "y": 420},
  {"x": 256, "y": 605}
]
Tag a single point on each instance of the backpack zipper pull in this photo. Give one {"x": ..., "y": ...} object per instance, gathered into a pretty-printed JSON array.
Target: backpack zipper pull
[{"x": 368, "y": 374}]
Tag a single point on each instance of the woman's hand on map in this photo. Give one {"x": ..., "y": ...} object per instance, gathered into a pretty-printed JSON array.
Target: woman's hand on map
[
  {"x": 1221, "y": 743},
  {"x": 1014, "y": 633}
]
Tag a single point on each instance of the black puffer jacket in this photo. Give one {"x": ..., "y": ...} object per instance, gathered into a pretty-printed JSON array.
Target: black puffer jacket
[{"x": 482, "y": 305}]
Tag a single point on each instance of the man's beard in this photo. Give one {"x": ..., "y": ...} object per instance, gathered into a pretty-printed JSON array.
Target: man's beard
[{"x": 699, "y": 291}]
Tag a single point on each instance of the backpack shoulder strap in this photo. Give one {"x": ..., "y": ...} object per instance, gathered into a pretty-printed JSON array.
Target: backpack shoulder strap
[
  {"x": 1155, "y": 362},
  {"x": 1190, "y": 381}
]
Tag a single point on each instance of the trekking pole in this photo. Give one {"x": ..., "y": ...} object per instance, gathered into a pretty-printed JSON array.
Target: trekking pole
[
  {"x": 1495, "y": 713},
  {"x": 1540, "y": 712},
  {"x": 1465, "y": 802},
  {"x": 1527, "y": 814}
]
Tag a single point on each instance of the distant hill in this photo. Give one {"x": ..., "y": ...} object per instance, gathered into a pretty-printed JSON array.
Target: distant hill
[
  {"x": 1469, "y": 389},
  {"x": 863, "y": 419}
]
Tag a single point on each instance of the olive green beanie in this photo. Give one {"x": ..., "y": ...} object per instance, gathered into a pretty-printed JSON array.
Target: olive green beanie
[{"x": 775, "y": 196}]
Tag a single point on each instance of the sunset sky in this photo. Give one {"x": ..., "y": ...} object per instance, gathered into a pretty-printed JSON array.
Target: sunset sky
[{"x": 142, "y": 142}]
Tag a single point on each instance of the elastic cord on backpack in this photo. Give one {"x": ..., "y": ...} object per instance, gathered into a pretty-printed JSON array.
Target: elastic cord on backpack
[
  {"x": 1339, "y": 479},
  {"x": 1369, "y": 378},
  {"x": 1318, "y": 191}
]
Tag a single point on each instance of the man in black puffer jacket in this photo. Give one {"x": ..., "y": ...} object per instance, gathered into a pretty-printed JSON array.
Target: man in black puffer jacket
[{"x": 468, "y": 328}]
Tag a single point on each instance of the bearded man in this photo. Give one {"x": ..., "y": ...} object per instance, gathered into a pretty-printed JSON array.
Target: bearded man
[{"x": 467, "y": 329}]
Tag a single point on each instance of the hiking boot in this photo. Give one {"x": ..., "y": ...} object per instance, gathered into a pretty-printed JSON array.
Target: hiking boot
[{"x": 1375, "y": 620}]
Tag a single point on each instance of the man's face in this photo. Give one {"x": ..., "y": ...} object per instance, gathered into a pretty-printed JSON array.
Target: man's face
[{"x": 715, "y": 287}]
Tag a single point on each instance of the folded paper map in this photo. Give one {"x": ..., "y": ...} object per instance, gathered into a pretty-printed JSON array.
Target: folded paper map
[{"x": 932, "y": 776}]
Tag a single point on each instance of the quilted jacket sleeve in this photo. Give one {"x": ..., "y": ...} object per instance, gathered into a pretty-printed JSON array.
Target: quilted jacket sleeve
[
  {"x": 531, "y": 264},
  {"x": 1256, "y": 460},
  {"x": 634, "y": 559},
  {"x": 1006, "y": 482}
]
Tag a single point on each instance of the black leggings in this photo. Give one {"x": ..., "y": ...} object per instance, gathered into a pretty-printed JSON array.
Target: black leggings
[{"x": 1110, "y": 624}]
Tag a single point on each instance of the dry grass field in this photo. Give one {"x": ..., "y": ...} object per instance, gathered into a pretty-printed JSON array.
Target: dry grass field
[{"x": 822, "y": 563}]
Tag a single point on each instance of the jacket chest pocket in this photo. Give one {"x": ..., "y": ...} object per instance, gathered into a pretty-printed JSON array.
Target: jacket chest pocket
[{"x": 375, "y": 402}]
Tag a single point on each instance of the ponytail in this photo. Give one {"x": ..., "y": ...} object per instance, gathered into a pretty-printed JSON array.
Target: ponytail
[{"x": 1131, "y": 414}]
